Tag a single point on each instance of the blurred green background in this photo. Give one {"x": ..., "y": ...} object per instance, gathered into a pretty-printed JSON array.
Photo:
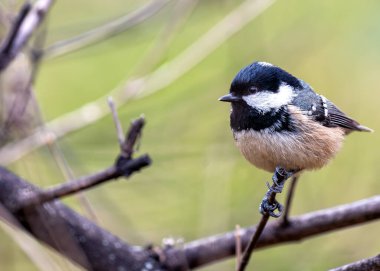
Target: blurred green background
[{"x": 199, "y": 184}]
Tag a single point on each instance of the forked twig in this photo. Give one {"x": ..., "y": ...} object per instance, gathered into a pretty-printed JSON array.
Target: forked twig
[{"x": 124, "y": 166}]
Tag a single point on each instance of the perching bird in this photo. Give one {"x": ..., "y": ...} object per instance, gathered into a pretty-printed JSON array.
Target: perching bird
[{"x": 278, "y": 120}]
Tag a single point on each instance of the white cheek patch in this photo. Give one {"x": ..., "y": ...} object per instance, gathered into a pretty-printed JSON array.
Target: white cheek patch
[{"x": 265, "y": 101}]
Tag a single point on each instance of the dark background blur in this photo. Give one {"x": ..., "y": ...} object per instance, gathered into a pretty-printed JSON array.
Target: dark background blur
[{"x": 199, "y": 184}]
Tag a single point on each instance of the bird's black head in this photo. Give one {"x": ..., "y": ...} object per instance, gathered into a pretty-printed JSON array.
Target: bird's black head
[
  {"x": 260, "y": 77},
  {"x": 258, "y": 94}
]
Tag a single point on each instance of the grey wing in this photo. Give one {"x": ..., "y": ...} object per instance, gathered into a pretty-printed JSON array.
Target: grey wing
[
  {"x": 324, "y": 111},
  {"x": 331, "y": 116}
]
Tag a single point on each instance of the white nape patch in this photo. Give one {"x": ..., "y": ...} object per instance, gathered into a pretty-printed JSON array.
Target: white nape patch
[
  {"x": 262, "y": 63},
  {"x": 265, "y": 101}
]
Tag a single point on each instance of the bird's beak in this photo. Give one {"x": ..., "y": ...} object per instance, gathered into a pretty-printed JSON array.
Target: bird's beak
[{"x": 229, "y": 98}]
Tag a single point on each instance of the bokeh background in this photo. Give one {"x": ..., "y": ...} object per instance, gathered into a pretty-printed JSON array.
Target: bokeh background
[{"x": 199, "y": 184}]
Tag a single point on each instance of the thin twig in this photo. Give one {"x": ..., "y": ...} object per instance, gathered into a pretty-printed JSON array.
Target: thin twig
[
  {"x": 252, "y": 243},
  {"x": 73, "y": 187},
  {"x": 259, "y": 230},
  {"x": 105, "y": 31},
  {"x": 28, "y": 21},
  {"x": 116, "y": 120},
  {"x": 369, "y": 264},
  {"x": 269, "y": 207},
  {"x": 133, "y": 134},
  {"x": 68, "y": 174},
  {"x": 124, "y": 166},
  {"x": 288, "y": 204},
  {"x": 140, "y": 87}
]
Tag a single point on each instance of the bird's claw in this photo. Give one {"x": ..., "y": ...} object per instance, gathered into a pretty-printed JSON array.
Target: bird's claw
[
  {"x": 270, "y": 208},
  {"x": 275, "y": 209}
]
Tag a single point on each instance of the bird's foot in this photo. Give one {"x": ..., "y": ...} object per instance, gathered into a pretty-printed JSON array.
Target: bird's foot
[
  {"x": 269, "y": 204},
  {"x": 266, "y": 207}
]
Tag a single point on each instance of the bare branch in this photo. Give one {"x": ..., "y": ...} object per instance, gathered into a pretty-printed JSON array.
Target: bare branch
[
  {"x": 31, "y": 247},
  {"x": 253, "y": 242},
  {"x": 79, "y": 239},
  {"x": 138, "y": 87},
  {"x": 28, "y": 21},
  {"x": 269, "y": 207},
  {"x": 133, "y": 134},
  {"x": 86, "y": 182},
  {"x": 105, "y": 31},
  {"x": 63, "y": 165},
  {"x": 116, "y": 120},
  {"x": 210, "y": 249},
  {"x": 124, "y": 167},
  {"x": 94, "y": 248},
  {"x": 369, "y": 264}
]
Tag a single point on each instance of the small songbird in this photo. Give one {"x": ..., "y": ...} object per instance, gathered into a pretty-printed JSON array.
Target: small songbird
[{"x": 278, "y": 120}]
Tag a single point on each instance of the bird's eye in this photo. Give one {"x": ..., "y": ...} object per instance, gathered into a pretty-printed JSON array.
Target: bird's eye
[{"x": 253, "y": 90}]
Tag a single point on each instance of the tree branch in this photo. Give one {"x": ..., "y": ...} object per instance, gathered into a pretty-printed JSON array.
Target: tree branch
[
  {"x": 29, "y": 19},
  {"x": 94, "y": 248},
  {"x": 72, "y": 235},
  {"x": 214, "y": 248},
  {"x": 369, "y": 264},
  {"x": 124, "y": 167}
]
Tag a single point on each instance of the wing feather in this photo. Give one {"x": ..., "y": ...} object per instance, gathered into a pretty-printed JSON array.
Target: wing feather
[
  {"x": 335, "y": 117},
  {"x": 324, "y": 111}
]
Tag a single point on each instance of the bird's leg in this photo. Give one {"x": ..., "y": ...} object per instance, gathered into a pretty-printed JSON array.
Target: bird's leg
[
  {"x": 269, "y": 204},
  {"x": 289, "y": 197}
]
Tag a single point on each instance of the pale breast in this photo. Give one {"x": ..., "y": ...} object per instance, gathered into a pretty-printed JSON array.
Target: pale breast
[{"x": 311, "y": 147}]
